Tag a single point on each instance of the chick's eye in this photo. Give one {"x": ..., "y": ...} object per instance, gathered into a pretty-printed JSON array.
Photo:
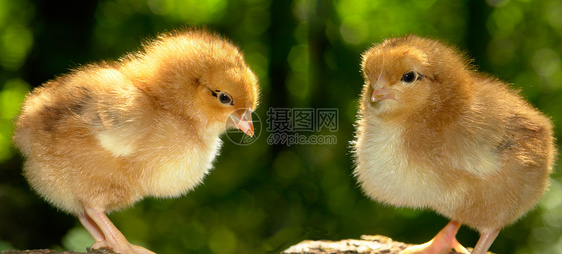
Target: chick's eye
[
  {"x": 410, "y": 77},
  {"x": 225, "y": 98}
]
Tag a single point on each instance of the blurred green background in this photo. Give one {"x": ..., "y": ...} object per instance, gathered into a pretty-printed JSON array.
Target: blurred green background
[{"x": 263, "y": 198}]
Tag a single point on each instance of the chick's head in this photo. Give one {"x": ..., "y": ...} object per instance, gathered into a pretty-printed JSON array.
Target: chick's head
[
  {"x": 229, "y": 97},
  {"x": 396, "y": 78},
  {"x": 408, "y": 74},
  {"x": 201, "y": 76}
]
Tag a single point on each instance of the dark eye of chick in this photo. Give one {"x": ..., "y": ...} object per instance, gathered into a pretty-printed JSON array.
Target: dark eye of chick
[
  {"x": 410, "y": 77},
  {"x": 225, "y": 98}
]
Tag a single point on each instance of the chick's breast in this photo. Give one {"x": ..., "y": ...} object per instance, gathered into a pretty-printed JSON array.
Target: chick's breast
[{"x": 386, "y": 172}]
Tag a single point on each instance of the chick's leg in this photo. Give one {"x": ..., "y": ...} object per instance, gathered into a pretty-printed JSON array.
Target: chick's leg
[
  {"x": 106, "y": 234},
  {"x": 442, "y": 243},
  {"x": 92, "y": 228},
  {"x": 485, "y": 241}
]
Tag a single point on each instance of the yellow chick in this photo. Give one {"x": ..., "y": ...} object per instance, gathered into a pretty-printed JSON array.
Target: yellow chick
[
  {"x": 107, "y": 135},
  {"x": 434, "y": 133}
]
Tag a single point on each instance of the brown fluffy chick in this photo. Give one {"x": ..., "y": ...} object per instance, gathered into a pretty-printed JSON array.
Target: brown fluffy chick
[
  {"x": 107, "y": 135},
  {"x": 434, "y": 133}
]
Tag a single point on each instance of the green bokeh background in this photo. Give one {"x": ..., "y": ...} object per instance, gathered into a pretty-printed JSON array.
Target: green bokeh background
[{"x": 263, "y": 198}]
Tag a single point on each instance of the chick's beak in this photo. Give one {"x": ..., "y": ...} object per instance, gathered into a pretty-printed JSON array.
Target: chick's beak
[
  {"x": 381, "y": 91},
  {"x": 244, "y": 123}
]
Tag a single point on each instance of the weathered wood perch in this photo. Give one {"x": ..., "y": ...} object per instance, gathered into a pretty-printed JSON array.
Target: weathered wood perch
[{"x": 368, "y": 244}]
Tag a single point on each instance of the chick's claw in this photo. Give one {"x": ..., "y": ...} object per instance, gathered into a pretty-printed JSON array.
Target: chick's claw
[
  {"x": 106, "y": 234},
  {"x": 140, "y": 249},
  {"x": 126, "y": 248},
  {"x": 442, "y": 243}
]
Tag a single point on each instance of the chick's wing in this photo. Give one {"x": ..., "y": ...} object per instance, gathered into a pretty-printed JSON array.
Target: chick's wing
[{"x": 115, "y": 112}]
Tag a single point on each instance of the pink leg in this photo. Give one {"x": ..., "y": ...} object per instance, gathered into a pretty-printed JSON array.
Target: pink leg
[
  {"x": 106, "y": 234},
  {"x": 485, "y": 241},
  {"x": 442, "y": 243},
  {"x": 94, "y": 230}
]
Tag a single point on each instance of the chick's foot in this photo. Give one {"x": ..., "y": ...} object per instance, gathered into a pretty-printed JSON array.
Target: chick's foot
[
  {"x": 106, "y": 235},
  {"x": 442, "y": 243}
]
